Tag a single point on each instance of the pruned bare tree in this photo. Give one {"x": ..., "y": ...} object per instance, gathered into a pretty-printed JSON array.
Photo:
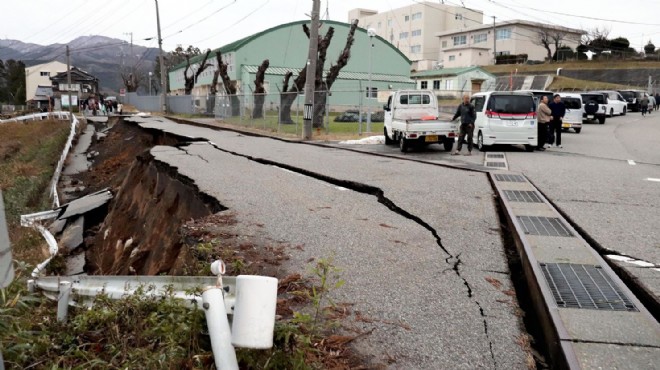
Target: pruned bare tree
[
  {"x": 228, "y": 85},
  {"x": 132, "y": 80},
  {"x": 189, "y": 81},
  {"x": 321, "y": 86},
  {"x": 260, "y": 91}
]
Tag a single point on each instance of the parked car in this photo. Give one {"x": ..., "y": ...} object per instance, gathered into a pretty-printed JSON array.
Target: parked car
[
  {"x": 505, "y": 118},
  {"x": 595, "y": 105},
  {"x": 350, "y": 116},
  {"x": 616, "y": 103},
  {"x": 574, "y": 111},
  {"x": 411, "y": 118},
  {"x": 633, "y": 98}
]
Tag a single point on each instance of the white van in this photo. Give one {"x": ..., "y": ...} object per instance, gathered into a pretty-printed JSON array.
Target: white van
[
  {"x": 574, "y": 111},
  {"x": 505, "y": 118}
]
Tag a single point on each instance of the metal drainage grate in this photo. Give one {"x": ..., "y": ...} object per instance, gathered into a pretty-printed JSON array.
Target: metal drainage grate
[
  {"x": 522, "y": 196},
  {"x": 584, "y": 286},
  {"x": 509, "y": 178},
  {"x": 495, "y": 164},
  {"x": 545, "y": 226},
  {"x": 492, "y": 155}
]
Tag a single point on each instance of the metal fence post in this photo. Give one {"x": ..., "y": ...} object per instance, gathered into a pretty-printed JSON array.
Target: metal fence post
[
  {"x": 219, "y": 331},
  {"x": 63, "y": 300}
]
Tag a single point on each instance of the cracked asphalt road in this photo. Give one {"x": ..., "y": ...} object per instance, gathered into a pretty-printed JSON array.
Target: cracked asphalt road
[{"x": 419, "y": 244}]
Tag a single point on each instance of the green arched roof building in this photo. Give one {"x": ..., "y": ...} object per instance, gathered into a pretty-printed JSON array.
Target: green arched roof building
[{"x": 286, "y": 48}]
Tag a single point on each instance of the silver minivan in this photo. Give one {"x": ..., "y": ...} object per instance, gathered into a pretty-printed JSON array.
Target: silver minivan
[{"x": 574, "y": 111}]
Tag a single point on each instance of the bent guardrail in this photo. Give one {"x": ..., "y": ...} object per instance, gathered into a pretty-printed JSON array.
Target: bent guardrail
[{"x": 250, "y": 299}]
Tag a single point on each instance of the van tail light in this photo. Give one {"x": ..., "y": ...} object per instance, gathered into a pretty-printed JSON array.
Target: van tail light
[
  {"x": 451, "y": 134},
  {"x": 489, "y": 113}
]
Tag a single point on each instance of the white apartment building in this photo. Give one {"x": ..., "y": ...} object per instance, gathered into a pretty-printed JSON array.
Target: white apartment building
[
  {"x": 473, "y": 46},
  {"x": 413, "y": 29},
  {"x": 40, "y": 75}
]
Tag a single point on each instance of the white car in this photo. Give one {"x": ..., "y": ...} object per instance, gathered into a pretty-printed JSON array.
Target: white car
[
  {"x": 505, "y": 118},
  {"x": 574, "y": 111},
  {"x": 616, "y": 103}
]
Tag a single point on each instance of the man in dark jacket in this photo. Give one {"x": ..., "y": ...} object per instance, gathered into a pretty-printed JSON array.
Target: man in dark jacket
[
  {"x": 468, "y": 115},
  {"x": 558, "y": 111}
]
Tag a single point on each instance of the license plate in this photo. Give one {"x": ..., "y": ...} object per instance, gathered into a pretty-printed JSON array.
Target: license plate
[
  {"x": 512, "y": 123},
  {"x": 431, "y": 138},
  {"x": 566, "y": 125}
]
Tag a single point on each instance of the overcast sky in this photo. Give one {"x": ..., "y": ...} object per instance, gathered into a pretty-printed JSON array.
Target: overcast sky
[{"x": 213, "y": 23}]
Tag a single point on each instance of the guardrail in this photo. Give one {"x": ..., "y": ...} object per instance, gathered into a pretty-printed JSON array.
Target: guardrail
[
  {"x": 250, "y": 299},
  {"x": 38, "y": 117}
]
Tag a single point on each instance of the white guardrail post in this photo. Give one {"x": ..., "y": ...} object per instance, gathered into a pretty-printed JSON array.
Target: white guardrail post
[{"x": 250, "y": 299}]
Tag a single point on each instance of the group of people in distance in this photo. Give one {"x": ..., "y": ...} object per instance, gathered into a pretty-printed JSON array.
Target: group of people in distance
[{"x": 550, "y": 117}]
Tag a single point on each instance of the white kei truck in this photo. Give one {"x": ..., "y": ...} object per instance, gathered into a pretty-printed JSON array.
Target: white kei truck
[{"x": 411, "y": 118}]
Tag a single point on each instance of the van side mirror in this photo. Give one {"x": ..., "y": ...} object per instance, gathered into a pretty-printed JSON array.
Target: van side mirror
[{"x": 386, "y": 108}]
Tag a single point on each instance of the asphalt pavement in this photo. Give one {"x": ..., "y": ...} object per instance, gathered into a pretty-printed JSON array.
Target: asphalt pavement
[{"x": 419, "y": 244}]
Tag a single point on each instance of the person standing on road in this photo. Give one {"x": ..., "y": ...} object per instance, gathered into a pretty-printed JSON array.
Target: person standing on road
[
  {"x": 644, "y": 105},
  {"x": 468, "y": 115},
  {"x": 544, "y": 116},
  {"x": 657, "y": 101},
  {"x": 558, "y": 110}
]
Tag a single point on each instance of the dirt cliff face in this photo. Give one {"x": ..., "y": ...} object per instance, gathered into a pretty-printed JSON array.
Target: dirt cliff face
[
  {"x": 140, "y": 235},
  {"x": 141, "y": 232}
]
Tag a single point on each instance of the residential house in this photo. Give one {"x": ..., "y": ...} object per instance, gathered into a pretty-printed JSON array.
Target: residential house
[
  {"x": 413, "y": 28},
  {"x": 473, "y": 46},
  {"x": 83, "y": 85},
  {"x": 39, "y": 75}
]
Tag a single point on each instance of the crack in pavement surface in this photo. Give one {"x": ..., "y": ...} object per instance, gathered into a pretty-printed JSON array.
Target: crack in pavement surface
[
  {"x": 281, "y": 157},
  {"x": 380, "y": 195}
]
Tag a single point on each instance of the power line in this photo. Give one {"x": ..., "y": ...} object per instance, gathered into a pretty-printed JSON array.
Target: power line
[
  {"x": 188, "y": 15},
  {"x": 259, "y": 7},
  {"x": 201, "y": 20}
]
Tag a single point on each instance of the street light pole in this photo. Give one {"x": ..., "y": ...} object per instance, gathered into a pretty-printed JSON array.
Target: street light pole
[
  {"x": 371, "y": 32},
  {"x": 150, "y": 74}
]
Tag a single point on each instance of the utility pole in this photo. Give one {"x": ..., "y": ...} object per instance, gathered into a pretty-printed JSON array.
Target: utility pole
[
  {"x": 68, "y": 82},
  {"x": 494, "y": 43},
  {"x": 163, "y": 78},
  {"x": 312, "y": 59}
]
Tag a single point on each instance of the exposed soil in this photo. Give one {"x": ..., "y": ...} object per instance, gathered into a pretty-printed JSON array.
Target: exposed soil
[{"x": 159, "y": 223}]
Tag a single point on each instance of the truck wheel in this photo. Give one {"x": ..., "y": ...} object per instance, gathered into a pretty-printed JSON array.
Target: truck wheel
[
  {"x": 577, "y": 130},
  {"x": 480, "y": 142},
  {"x": 448, "y": 144},
  {"x": 388, "y": 141},
  {"x": 403, "y": 144},
  {"x": 601, "y": 120}
]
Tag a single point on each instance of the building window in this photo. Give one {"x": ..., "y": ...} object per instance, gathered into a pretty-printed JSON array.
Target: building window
[
  {"x": 416, "y": 33},
  {"x": 444, "y": 44},
  {"x": 452, "y": 58},
  {"x": 503, "y": 53},
  {"x": 460, "y": 40},
  {"x": 403, "y": 35},
  {"x": 416, "y": 49},
  {"x": 482, "y": 37},
  {"x": 374, "y": 92},
  {"x": 406, "y": 18},
  {"x": 503, "y": 34},
  {"x": 378, "y": 25},
  {"x": 436, "y": 84},
  {"x": 424, "y": 85},
  {"x": 389, "y": 23},
  {"x": 449, "y": 84},
  {"x": 44, "y": 73},
  {"x": 417, "y": 15},
  {"x": 458, "y": 16}
]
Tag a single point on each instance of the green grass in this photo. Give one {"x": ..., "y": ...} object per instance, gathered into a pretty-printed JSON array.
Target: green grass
[
  {"x": 581, "y": 64},
  {"x": 561, "y": 83}
]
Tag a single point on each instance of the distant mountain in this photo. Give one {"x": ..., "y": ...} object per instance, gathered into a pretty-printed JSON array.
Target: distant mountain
[{"x": 101, "y": 56}]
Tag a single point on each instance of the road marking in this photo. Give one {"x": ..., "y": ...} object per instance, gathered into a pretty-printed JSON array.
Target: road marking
[
  {"x": 652, "y": 179},
  {"x": 631, "y": 162}
]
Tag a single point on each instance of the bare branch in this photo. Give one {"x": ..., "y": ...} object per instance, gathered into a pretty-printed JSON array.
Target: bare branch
[{"x": 342, "y": 60}]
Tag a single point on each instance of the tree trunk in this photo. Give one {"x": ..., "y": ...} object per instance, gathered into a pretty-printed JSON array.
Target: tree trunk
[
  {"x": 320, "y": 97},
  {"x": 235, "y": 105},
  {"x": 259, "y": 91},
  {"x": 286, "y": 101}
]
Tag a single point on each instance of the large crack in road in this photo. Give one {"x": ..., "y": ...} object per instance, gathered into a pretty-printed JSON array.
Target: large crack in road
[{"x": 454, "y": 261}]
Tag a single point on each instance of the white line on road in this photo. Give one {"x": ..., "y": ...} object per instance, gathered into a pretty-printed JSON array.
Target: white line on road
[
  {"x": 652, "y": 179},
  {"x": 631, "y": 162}
]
